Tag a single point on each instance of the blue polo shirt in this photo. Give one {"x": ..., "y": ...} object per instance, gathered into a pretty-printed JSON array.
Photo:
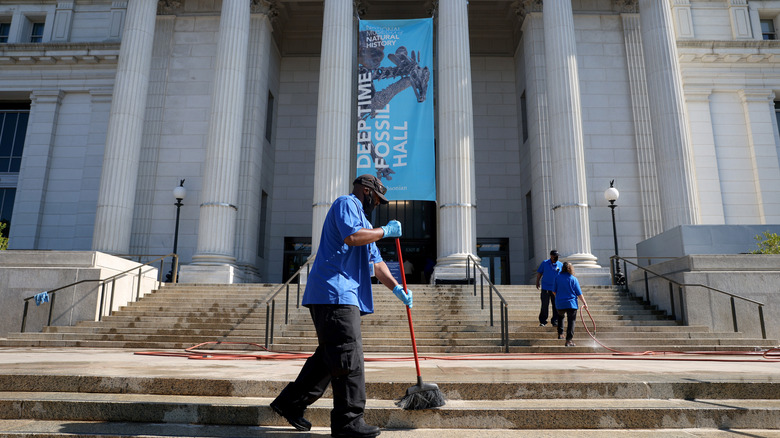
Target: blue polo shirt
[
  {"x": 549, "y": 271},
  {"x": 341, "y": 273},
  {"x": 567, "y": 289}
]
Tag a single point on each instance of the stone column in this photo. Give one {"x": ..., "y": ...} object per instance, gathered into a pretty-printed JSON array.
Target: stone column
[
  {"x": 116, "y": 199},
  {"x": 643, "y": 129},
  {"x": 253, "y": 142},
  {"x": 456, "y": 186},
  {"x": 759, "y": 114},
  {"x": 570, "y": 199},
  {"x": 334, "y": 113},
  {"x": 673, "y": 155},
  {"x": 148, "y": 161},
  {"x": 219, "y": 196},
  {"x": 34, "y": 174},
  {"x": 538, "y": 130},
  {"x": 703, "y": 144}
]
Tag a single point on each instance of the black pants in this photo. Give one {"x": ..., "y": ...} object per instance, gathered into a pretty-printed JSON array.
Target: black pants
[
  {"x": 338, "y": 360},
  {"x": 571, "y": 319},
  {"x": 547, "y": 298}
]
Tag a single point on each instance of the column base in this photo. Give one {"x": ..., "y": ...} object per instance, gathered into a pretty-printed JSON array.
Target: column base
[
  {"x": 211, "y": 274},
  {"x": 581, "y": 260},
  {"x": 593, "y": 276},
  {"x": 452, "y": 269}
]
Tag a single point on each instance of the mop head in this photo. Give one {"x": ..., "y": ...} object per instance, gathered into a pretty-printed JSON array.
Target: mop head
[{"x": 421, "y": 396}]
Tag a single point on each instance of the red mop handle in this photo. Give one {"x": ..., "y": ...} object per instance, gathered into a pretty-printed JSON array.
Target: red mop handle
[{"x": 408, "y": 310}]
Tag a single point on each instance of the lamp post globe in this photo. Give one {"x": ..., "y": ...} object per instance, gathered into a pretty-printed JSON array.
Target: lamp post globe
[{"x": 612, "y": 194}]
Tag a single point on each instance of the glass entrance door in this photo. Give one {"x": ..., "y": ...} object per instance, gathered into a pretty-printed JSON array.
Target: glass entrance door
[{"x": 495, "y": 257}]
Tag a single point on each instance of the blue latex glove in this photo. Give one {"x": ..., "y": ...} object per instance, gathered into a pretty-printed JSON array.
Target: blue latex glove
[
  {"x": 42, "y": 297},
  {"x": 406, "y": 298},
  {"x": 392, "y": 229}
]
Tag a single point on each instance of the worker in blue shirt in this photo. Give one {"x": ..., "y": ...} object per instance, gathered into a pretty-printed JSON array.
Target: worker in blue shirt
[
  {"x": 338, "y": 292},
  {"x": 547, "y": 272},
  {"x": 567, "y": 292}
]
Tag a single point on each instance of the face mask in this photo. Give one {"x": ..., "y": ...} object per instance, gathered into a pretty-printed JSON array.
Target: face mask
[{"x": 368, "y": 204}]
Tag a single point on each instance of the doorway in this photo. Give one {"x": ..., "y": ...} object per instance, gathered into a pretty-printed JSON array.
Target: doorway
[
  {"x": 418, "y": 243},
  {"x": 495, "y": 257}
]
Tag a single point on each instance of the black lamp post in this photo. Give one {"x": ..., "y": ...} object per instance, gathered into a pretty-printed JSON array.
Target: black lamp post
[
  {"x": 612, "y": 195},
  {"x": 179, "y": 193}
]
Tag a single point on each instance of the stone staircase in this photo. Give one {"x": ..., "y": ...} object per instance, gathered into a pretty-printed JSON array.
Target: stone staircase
[
  {"x": 447, "y": 319},
  {"x": 111, "y": 392},
  {"x": 106, "y": 405}
]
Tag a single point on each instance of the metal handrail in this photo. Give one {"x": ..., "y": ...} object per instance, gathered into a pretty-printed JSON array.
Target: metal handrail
[
  {"x": 681, "y": 287},
  {"x": 504, "y": 309},
  {"x": 270, "y": 302},
  {"x": 103, "y": 282}
]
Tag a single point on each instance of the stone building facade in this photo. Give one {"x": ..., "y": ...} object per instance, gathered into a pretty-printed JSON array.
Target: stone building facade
[{"x": 108, "y": 105}]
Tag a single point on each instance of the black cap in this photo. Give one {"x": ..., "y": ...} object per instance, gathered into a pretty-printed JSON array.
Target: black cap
[
  {"x": 374, "y": 184},
  {"x": 554, "y": 253}
]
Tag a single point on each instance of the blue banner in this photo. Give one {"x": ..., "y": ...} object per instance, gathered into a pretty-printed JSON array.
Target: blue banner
[{"x": 395, "y": 107}]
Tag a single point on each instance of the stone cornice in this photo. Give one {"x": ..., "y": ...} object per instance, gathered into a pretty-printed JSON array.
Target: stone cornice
[
  {"x": 751, "y": 51},
  {"x": 56, "y": 53}
]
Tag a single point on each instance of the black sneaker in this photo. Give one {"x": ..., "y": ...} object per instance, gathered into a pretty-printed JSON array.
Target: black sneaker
[
  {"x": 295, "y": 419},
  {"x": 541, "y": 324},
  {"x": 359, "y": 430}
]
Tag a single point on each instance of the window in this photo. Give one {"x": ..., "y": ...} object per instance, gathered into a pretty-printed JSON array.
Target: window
[
  {"x": 262, "y": 225},
  {"x": 5, "y": 29},
  {"x": 768, "y": 29},
  {"x": 524, "y": 116},
  {"x": 269, "y": 116},
  {"x": 13, "y": 128},
  {"x": 36, "y": 35},
  {"x": 529, "y": 225},
  {"x": 7, "y": 197},
  {"x": 777, "y": 112}
]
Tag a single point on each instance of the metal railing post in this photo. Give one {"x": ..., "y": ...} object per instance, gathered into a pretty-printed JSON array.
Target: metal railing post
[
  {"x": 682, "y": 304},
  {"x": 273, "y": 313},
  {"x": 111, "y": 303},
  {"x": 298, "y": 296},
  {"x": 102, "y": 299},
  {"x": 287, "y": 304},
  {"x": 267, "y": 321},
  {"x": 138, "y": 289},
  {"x": 491, "y": 305},
  {"x": 482, "y": 293},
  {"x": 761, "y": 319},
  {"x": 24, "y": 314},
  {"x": 647, "y": 289},
  {"x": 671, "y": 300},
  {"x": 475, "y": 278},
  {"x": 51, "y": 307},
  {"x": 506, "y": 330},
  {"x": 734, "y": 315},
  {"x": 468, "y": 271},
  {"x": 503, "y": 335}
]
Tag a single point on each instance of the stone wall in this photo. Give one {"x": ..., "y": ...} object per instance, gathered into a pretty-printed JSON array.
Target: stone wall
[
  {"x": 752, "y": 276},
  {"x": 27, "y": 273}
]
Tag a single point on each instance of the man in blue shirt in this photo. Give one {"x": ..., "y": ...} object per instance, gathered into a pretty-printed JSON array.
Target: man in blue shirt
[
  {"x": 338, "y": 292},
  {"x": 547, "y": 272}
]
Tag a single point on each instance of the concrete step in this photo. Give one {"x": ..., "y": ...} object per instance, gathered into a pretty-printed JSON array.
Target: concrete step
[
  {"x": 564, "y": 388},
  {"x": 460, "y": 414},
  {"x": 95, "y": 429}
]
